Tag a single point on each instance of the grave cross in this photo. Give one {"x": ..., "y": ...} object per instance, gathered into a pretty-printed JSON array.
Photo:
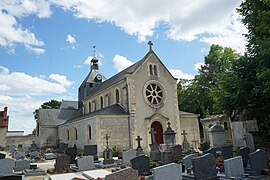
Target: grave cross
[
  {"x": 139, "y": 142},
  {"x": 150, "y": 45},
  {"x": 153, "y": 132},
  {"x": 107, "y": 141},
  {"x": 184, "y": 134}
]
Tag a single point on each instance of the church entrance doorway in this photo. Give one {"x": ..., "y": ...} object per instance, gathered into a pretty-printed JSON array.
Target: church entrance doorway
[{"x": 159, "y": 132}]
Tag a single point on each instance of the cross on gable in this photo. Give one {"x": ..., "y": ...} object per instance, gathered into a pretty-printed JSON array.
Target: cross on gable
[
  {"x": 150, "y": 45},
  {"x": 107, "y": 140}
]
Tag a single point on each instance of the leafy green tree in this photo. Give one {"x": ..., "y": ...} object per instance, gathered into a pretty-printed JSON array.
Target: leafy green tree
[{"x": 256, "y": 17}]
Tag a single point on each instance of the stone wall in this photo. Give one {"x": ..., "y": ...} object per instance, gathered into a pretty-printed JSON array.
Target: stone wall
[
  {"x": 47, "y": 133},
  {"x": 3, "y": 132},
  {"x": 24, "y": 140}
]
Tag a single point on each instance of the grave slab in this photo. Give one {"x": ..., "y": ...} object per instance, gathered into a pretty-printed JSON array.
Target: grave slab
[
  {"x": 123, "y": 174},
  {"x": 94, "y": 174},
  {"x": 234, "y": 167},
  {"x": 171, "y": 171}
]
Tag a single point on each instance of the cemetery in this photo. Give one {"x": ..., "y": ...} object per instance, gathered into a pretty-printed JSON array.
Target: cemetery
[{"x": 168, "y": 161}]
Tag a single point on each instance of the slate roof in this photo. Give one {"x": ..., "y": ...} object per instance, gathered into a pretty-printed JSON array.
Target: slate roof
[
  {"x": 115, "y": 109},
  {"x": 69, "y": 104},
  {"x": 118, "y": 77},
  {"x": 54, "y": 117}
]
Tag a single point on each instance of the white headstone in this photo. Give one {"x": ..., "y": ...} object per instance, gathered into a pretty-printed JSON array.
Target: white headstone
[
  {"x": 234, "y": 167},
  {"x": 6, "y": 166},
  {"x": 128, "y": 155},
  {"x": 86, "y": 163},
  {"x": 94, "y": 174},
  {"x": 171, "y": 171},
  {"x": 67, "y": 176},
  {"x": 217, "y": 136}
]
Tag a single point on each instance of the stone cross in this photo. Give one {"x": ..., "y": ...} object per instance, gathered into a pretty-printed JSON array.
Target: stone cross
[
  {"x": 139, "y": 142},
  {"x": 107, "y": 141},
  {"x": 184, "y": 134},
  {"x": 150, "y": 45},
  {"x": 153, "y": 132},
  {"x": 185, "y": 143}
]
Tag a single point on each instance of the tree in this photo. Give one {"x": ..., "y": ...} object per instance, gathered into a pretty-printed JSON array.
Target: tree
[{"x": 256, "y": 17}]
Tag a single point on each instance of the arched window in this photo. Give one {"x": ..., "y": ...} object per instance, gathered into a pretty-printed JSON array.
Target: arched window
[
  {"x": 155, "y": 70},
  {"x": 90, "y": 107},
  {"x": 89, "y": 133},
  {"x": 67, "y": 134},
  {"x": 101, "y": 102},
  {"x": 117, "y": 96},
  {"x": 75, "y": 134},
  {"x": 150, "y": 69}
]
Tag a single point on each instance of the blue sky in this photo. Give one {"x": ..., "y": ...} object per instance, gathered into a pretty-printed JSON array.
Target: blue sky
[{"x": 45, "y": 44}]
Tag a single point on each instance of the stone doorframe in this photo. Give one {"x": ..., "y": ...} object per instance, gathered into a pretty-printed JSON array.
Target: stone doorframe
[{"x": 149, "y": 120}]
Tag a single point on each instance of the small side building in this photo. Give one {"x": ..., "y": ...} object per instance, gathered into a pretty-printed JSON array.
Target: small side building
[{"x": 4, "y": 118}]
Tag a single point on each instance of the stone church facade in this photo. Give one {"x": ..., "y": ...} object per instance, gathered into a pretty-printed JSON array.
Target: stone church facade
[{"x": 127, "y": 105}]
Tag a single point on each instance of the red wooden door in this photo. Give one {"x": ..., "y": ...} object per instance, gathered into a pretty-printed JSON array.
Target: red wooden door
[{"x": 159, "y": 132}]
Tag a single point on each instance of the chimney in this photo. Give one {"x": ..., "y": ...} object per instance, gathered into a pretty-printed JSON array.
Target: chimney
[{"x": 5, "y": 112}]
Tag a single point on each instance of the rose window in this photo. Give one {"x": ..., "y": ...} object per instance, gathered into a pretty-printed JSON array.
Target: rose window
[{"x": 154, "y": 94}]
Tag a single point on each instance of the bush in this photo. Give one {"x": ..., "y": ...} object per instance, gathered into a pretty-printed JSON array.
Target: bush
[
  {"x": 153, "y": 164},
  {"x": 116, "y": 151}
]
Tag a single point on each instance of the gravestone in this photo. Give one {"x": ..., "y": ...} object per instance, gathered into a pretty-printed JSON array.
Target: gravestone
[
  {"x": 211, "y": 151},
  {"x": 187, "y": 160},
  {"x": 19, "y": 155},
  {"x": 169, "y": 136},
  {"x": 166, "y": 157},
  {"x": 7, "y": 165},
  {"x": 67, "y": 176},
  {"x": 204, "y": 167},
  {"x": 258, "y": 162},
  {"x": 21, "y": 165},
  {"x": 62, "y": 163},
  {"x": 12, "y": 177},
  {"x": 128, "y": 155},
  {"x": 34, "y": 172},
  {"x": 249, "y": 141},
  {"x": 139, "y": 149},
  {"x": 34, "y": 154},
  {"x": 234, "y": 167},
  {"x": 107, "y": 153},
  {"x": 95, "y": 174},
  {"x": 204, "y": 146},
  {"x": 72, "y": 153},
  {"x": 48, "y": 156},
  {"x": 185, "y": 143},
  {"x": 142, "y": 164},
  {"x": 86, "y": 163},
  {"x": 2, "y": 156},
  {"x": 91, "y": 150},
  {"x": 155, "y": 154},
  {"x": 217, "y": 136},
  {"x": 171, "y": 171},
  {"x": 33, "y": 146},
  {"x": 227, "y": 151},
  {"x": 123, "y": 174},
  {"x": 176, "y": 153},
  {"x": 244, "y": 152}
]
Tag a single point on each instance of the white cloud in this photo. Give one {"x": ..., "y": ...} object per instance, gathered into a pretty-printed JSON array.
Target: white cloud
[
  {"x": 19, "y": 83},
  {"x": 61, "y": 79},
  {"x": 210, "y": 21},
  {"x": 121, "y": 62},
  {"x": 198, "y": 65},
  {"x": 35, "y": 50},
  {"x": 180, "y": 74},
  {"x": 71, "y": 39}
]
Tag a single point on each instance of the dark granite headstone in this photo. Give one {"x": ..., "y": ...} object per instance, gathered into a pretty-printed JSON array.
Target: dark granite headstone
[
  {"x": 244, "y": 152},
  {"x": 211, "y": 151},
  {"x": 204, "y": 167},
  {"x": 142, "y": 164},
  {"x": 176, "y": 153},
  {"x": 12, "y": 177},
  {"x": 258, "y": 161},
  {"x": 166, "y": 157},
  {"x": 61, "y": 163},
  {"x": 72, "y": 152},
  {"x": 2, "y": 156},
  {"x": 204, "y": 146},
  {"x": 91, "y": 150},
  {"x": 227, "y": 151}
]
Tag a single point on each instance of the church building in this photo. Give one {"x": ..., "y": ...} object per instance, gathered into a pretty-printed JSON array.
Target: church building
[{"x": 127, "y": 105}]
